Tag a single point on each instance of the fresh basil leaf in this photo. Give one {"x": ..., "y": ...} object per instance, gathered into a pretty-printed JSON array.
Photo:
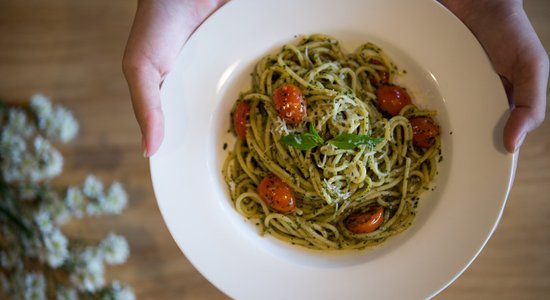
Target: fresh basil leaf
[
  {"x": 304, "y": 141},
  {"x": 350, "y": 141},
  {"x": 312, "y": 139},
  {"x": 315, "y": 135}
]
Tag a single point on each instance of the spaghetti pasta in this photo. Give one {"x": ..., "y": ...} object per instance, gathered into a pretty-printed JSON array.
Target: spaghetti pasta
[{"x": 354, "y": 171}]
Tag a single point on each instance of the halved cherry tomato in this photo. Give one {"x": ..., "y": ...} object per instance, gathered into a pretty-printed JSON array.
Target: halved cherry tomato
[
  {"x": 290, "y": 103},
  {"x": 277, "y": 194},
  {"x": 424, "y": 131},
  {"x": 240, "y": 119},
  {"x": 391, "y": 99},
  {"x": 365, "y": 222}
]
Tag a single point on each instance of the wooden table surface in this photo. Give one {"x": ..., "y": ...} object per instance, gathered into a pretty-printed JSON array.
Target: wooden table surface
[{"x": 71, "y": 51}]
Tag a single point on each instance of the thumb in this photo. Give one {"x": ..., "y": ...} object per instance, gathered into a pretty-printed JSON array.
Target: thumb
[
  {"x": 144, "y": 84},
  {"x": 528, "y": 101}
]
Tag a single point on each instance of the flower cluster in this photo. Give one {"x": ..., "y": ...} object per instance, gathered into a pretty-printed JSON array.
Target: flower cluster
[{"x": 37, "y": 260}]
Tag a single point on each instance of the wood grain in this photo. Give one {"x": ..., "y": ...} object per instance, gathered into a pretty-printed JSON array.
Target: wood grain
[{"x": 71, "y": 51}]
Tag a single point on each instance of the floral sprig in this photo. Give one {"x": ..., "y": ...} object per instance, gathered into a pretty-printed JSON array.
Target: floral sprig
[{"x": 37, "y": 260}]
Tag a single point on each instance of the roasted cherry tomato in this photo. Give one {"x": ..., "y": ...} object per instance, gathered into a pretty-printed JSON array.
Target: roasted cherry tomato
[
  {"x": 277, "y": 194},
  {"x": 365, "y": 222},
  {"x": 391, "y": 99},
  {"x": 290, "y": 103},
  {"x": 240, "y": 119},
  {"x": 424, "y": 131}
]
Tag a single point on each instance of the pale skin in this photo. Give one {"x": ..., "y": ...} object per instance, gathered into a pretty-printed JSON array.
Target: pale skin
[{"x": 161, "y": 28}]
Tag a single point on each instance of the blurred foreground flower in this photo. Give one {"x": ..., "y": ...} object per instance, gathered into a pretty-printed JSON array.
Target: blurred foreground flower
[{"x": 37, "y": 260}]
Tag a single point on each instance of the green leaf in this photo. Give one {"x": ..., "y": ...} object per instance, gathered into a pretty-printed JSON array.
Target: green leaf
[
  {"x": 350, "y": 141},
  {"x": 304, "y": 141},
  {"x": 315, "y": 135},
  {"x": 312, "y": 139}
]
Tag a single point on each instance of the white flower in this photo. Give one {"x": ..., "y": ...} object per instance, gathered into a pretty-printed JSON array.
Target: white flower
[
  {"x": 111, "y": 203},
  {"x": 43, "y": 220},
  {"x": 48, "y": 158},
  {"x": 54, "y": 164},
  {"x": 41, "y": 105},
  {"x": 42, "y": 147},
  {"x": 56, "y": 122},
  {"x": 57, "y": 209},
  {"x": 29, "y": 168},
  {"x": 56, "y": 248},
  {"x": 35, "y": 286},
  {"x": 65, "y": 293},
  {"x": 121, "y": 292},
  {"x": 93, "y": 208},
  {"x": 114, "y": 249},
  {"x": 93, "y": 188},
  {"x": 21, "y": 170},
  {"x": 65, "y": 126},
  {"x": 115, "y": 200},
  {"x": 18, "y": 124},
  {"x": 89, "y": 273},
  {"x": 12, "y": 146},
  {"x": 22, "y": 165},
  {"x": 74, "y": 200}
]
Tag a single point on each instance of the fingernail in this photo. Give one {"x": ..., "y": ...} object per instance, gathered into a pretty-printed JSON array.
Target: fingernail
[
  {"x": 144, "y": 148},
  {"x": 519, "y": 141}
]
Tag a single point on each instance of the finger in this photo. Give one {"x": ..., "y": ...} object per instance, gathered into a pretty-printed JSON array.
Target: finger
[
  {"x": 528, "y": 105},
  {"x": 150, "y": 50},
  {"x": 159, "y": 31},
  {"x": 144, "y": 84}
]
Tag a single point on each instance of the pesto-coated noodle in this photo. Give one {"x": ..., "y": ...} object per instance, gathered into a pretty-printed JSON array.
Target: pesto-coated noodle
[{"x": 330, "y": 183}]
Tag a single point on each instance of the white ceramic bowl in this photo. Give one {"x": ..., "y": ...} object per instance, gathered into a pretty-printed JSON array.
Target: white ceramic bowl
[{"x": 447, "y": 71}]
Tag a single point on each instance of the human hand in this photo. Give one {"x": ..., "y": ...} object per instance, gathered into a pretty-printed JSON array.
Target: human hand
[
  {"x": 160, "y": 30},
  {"x": 504, "y": 31}
]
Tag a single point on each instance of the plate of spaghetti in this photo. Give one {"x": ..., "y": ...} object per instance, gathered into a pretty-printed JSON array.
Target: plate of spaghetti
[
  {"x": 332, "y": 153},
  {"x": 332, "y": 150}
]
